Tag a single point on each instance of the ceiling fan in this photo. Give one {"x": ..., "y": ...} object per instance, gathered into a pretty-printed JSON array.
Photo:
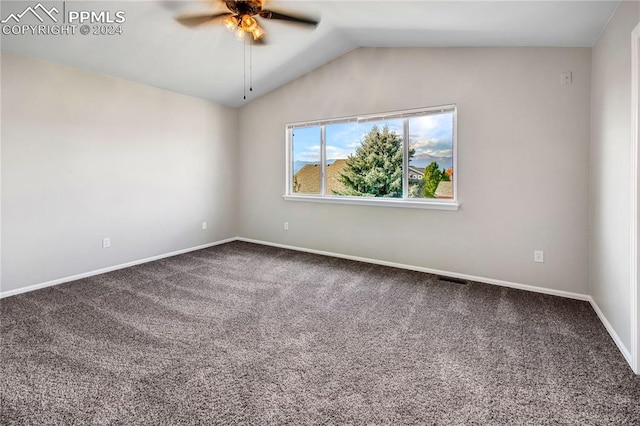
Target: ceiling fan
[{"x": 241, "y": 18}]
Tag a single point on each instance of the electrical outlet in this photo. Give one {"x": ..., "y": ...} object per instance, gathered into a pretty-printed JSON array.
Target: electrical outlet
[
  {"x": 286, "y": 226},
  {"x": 204, "y": 225},
  {"x": 538, "y": 256},
  {"x": 106, "y": 242},
  {"x": 566, "y": 77}
]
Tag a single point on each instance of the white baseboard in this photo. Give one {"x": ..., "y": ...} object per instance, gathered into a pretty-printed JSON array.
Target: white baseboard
[
  {"x": 108, "y": 269},
  {"x": 625, "y": 352},
  {"x": 502, "y": 283}
]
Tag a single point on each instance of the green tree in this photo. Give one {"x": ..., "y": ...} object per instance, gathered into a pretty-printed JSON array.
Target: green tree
[
  {"x": 375, "y": 169},
  {"x": 432, "y": 177},
  {"x": 416, "y": 189},
  {"x": 296, "y": 184}
]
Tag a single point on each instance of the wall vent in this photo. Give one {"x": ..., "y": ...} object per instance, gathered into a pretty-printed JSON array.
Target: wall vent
[{"x": 452, "y": 280}]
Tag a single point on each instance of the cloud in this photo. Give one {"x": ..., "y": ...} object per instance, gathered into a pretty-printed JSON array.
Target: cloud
[
  {"x": 440, "y": 153},
  {"x": 433, "y": 147},
  {"x": 431, "y": 127},
  {"x": 336, "y": 152},
  {"x": 308, "y": 154},
  {"x": 424, "y": 124},
  {"x": 432, "y": 135},
  {"x": 311, "y": 154}
]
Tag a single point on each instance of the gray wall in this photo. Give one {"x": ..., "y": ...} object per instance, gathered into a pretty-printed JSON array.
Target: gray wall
[
  {"x": 523, "y": 157},
  {"x": 85, "y": 156},
  {"x": 610, "y": 206}
]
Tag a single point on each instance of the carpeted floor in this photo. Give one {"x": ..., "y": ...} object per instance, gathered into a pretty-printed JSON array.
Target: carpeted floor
[{"x": 248, "y": 334}]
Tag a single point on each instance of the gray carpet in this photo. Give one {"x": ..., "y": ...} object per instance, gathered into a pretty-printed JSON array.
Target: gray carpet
[{"x": 248, "y": 334}]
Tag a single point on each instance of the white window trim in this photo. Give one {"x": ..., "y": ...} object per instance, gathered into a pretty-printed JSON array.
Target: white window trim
[
  {"x": 405, "y": 202},
  {"x": 375, "y": 201}
]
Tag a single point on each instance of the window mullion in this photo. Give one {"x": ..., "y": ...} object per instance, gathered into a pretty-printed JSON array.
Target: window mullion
[
  {"x": 323, "y": 160},
  {"x": 405, "y": 159},
  {"x": 289, "y": 158}
]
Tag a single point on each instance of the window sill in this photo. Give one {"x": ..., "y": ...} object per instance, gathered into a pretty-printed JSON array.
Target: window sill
[{"x": 378, "y": 202}]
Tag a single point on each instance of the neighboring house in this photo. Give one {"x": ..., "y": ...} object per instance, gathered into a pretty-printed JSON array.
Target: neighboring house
[
  {"x": 415, "y": 173},
  {"x": 333, "y": 174},
  {"x": 307, "y": 180}
]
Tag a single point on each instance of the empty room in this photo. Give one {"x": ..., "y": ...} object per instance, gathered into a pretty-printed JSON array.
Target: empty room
[{"x": 270, "y": 212}]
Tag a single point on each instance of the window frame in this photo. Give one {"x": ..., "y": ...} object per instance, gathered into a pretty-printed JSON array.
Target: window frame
[{"x": 405, "y": 201}]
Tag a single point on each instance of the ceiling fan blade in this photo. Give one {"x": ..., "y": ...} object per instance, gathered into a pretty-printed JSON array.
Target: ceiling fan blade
[
  {"x": 281, "y": 16},
  {"x": 195, "y": 20}
]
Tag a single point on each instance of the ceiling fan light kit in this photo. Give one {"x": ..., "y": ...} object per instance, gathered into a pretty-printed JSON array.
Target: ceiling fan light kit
[{"x": 247, "y": 24}]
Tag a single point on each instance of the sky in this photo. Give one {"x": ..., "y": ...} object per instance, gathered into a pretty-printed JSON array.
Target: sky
[{"x": 430, "y": 136}]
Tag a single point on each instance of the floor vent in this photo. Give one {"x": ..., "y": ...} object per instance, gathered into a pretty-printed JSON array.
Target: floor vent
[{"x": 452, "y": 280}]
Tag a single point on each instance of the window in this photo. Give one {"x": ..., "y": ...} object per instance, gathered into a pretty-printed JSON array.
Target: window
[{"x": 402, "y": 158}]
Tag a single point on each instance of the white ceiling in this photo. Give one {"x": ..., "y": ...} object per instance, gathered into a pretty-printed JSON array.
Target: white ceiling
[{"x": 207, "y": 62}]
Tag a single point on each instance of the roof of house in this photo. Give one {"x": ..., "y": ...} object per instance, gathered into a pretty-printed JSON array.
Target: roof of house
[
  {"x": 333, "y": 173},
  {"x": 307, "y": 180},
  {"x": 444, "y": 189}
]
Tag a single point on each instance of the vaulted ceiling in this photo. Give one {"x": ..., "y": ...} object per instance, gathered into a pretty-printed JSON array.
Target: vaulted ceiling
[{"x": 208, "y": 61}]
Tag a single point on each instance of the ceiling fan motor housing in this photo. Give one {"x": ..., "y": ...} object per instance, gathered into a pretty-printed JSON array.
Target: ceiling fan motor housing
[{"x": 249, "y": 7}]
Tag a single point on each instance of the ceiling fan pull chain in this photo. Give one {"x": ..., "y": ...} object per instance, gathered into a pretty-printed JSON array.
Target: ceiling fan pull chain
[
  {"x": 251, "y": 67},
  {"x": 244, "y": 69}
]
